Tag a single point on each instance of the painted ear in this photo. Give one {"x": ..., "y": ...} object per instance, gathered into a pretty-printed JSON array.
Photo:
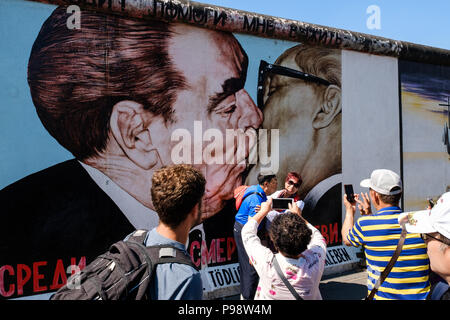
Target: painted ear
[
  {"x": 129, "y": 125},
  {"x": 331, "y": 107}
]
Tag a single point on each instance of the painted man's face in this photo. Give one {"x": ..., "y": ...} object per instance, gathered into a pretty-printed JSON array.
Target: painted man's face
[
  {"x": 289, "y": 106},
  {"x": 213, "y": 101}
]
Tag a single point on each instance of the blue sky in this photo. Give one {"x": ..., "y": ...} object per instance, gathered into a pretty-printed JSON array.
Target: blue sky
[{"x": 425, "y": 22}]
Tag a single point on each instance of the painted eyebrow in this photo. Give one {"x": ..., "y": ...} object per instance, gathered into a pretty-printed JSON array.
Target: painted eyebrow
[{"x": 229, "y": 87}]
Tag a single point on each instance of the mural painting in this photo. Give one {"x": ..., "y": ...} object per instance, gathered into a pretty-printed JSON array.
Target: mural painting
[
  {"x": 124, "y": 97},
  {"x": 425, "y": 94}
]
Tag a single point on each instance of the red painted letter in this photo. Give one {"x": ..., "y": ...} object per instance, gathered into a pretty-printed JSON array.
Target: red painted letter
[
  {"x": 231, "y": 247},
  {"x": 220, "y": 250},
  {"x": 21, "y": 280},
  {"x": 2, "y": 281},
  {"x": 59, "y": 273},
  {"x": 37, "y": 276},
  {"x": 197, "y": 245},
  {"x": 81, "y": 265}
]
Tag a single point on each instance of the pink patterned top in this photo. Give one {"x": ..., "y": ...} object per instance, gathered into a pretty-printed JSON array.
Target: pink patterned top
[{"x": 303, "y": 274}]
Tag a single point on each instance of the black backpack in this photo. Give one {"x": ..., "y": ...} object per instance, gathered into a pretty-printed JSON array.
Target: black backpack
[{"x": 123, "y": 273}]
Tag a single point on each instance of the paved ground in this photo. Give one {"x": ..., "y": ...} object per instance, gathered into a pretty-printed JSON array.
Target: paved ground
[
  {"x": 346, "y": 286},
  {"x": 350, "y": 285}
]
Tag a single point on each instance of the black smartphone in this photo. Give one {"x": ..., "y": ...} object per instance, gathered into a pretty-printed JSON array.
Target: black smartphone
[
  {"x": 281, "y": 203},
  {"x": 349, "y": 192}
]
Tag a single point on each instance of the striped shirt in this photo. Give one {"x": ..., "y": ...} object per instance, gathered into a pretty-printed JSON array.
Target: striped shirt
[{"x": 379, "y": 234}]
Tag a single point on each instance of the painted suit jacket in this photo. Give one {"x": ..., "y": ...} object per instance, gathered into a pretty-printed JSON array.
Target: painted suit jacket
[
  {"x": 50, "y": 220},
  {"x": 325, "y": 213}
]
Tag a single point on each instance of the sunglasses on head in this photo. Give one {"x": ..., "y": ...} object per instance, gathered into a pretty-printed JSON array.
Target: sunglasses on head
[
  {"x": 292, "y": 183},
  {"x": 265, "y": 68},
  {"x": 426, "y": 236}
]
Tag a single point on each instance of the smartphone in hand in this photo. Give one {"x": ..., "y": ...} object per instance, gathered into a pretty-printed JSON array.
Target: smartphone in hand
[
  {"x": 349, "y": 192},
  {"x": 281, "y": 203}
]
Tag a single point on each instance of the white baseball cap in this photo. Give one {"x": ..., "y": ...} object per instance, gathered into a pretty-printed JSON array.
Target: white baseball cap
[
  {"x": 383, "y": 181},
  {"x": 432, "y": 220}
]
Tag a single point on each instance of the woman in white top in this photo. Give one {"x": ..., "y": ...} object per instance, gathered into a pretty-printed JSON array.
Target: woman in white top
[{"x": 301, "y": 255}]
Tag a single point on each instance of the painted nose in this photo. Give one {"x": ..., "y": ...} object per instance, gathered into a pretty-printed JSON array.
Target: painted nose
[{"x": 249, "y": 113}]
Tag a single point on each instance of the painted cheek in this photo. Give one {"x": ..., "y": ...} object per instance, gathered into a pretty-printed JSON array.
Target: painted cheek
[{"x": 248, "y": 113}]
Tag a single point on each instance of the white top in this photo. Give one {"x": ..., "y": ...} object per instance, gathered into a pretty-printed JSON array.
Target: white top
[
  {"x": 139, "y": 215},
  {"x": 303, "y": 274},
  {"x": 273, "y": 213}
]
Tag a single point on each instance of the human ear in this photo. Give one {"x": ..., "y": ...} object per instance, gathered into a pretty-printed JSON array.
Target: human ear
[
  {"x": 265, "y": 185},
  {"x": 374, "y": 197},
  {"x": 129, "y": 124},
  {"x": 330, "y": 108},
  {"x": 195, "y": 215}
]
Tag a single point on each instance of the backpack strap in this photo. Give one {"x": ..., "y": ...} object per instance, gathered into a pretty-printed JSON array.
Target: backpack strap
[
  {"x": 256, "y": 192},
  {"x": 138, "y": 236},
  {"x": 159, "y": 254},
  {"x": 389, "y": 266},
  {"x": 262, "y": 225},
  {"x": 283, "y": 278}
]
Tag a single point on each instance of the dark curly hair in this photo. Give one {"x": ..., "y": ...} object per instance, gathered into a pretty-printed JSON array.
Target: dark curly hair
[
  {"x": 290, "y": 234},
  {"x": 175, "y": 191}
]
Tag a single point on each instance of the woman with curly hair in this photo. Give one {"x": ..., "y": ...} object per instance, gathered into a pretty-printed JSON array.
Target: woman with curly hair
[{"x": 301, "y": 255}]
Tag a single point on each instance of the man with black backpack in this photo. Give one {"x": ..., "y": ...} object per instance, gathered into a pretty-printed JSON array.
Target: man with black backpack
[
  {"x": 177, "y": 193},
  {"x": 150, "y": 265},
  {"x": 252, "y": 198}
]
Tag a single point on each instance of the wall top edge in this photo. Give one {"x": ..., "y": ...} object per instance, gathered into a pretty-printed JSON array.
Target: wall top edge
[{"x": 239, "y": 21}]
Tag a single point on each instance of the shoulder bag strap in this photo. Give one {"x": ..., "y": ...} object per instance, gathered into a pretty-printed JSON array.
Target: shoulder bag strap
[
  {"x": 283, "y": 278},
  {"x": 439, "y": 290},
  {"x": 389, "y": 266},
  {"x": 251, "y": 193}
]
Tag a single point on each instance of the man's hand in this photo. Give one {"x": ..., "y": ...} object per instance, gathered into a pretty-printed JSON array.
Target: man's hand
[
  {"x": 364, "y": 204},
  {"x": 350, "y": 209},
  {"x": 350, "y": 206},
  {"x": 264, "y": 209}
]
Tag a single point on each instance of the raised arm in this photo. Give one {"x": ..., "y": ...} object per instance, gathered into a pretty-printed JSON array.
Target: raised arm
[{"x": 255, "y": 250}]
